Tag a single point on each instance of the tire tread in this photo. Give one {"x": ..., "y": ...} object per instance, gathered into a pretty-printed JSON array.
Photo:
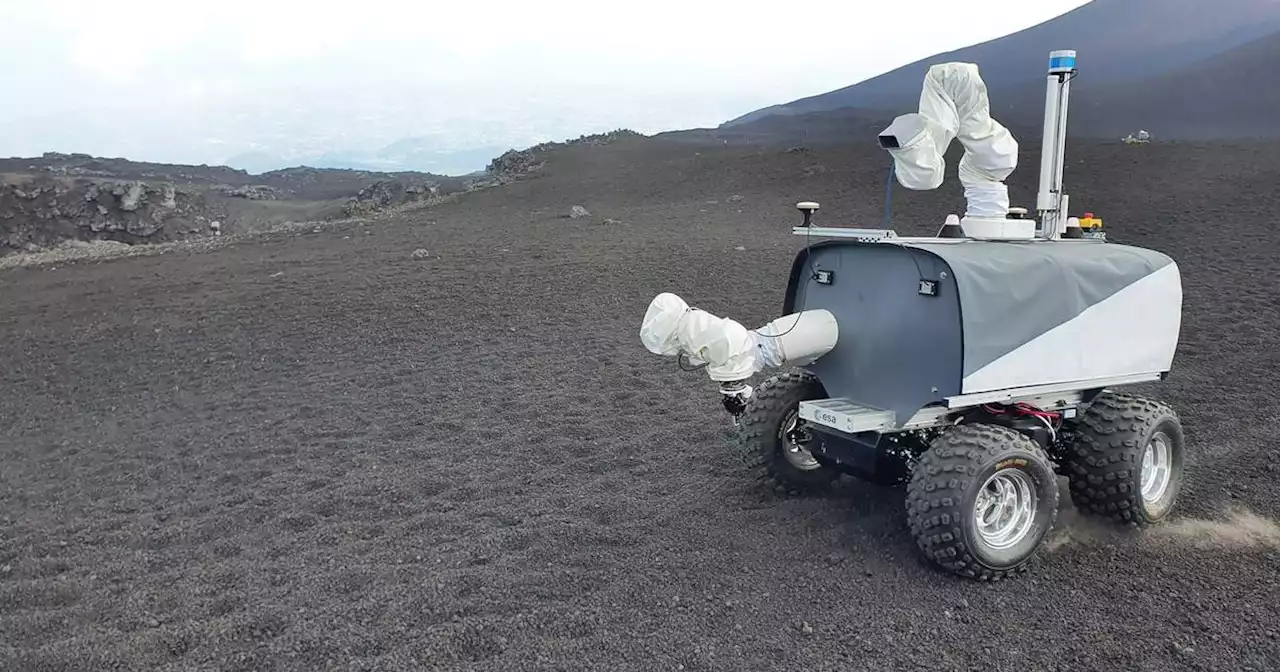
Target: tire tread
[
  {"x": 756, "y": 443},
  {"x": 938, "y": 487},
  {"x": 1107, "y": 454}
]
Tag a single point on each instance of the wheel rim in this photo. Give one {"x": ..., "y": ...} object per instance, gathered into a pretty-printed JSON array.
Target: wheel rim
[
  {"x": 1005, "y": 510},
  {"x": 796, "y": 455},
  {"x": 1157, "y": 468}
]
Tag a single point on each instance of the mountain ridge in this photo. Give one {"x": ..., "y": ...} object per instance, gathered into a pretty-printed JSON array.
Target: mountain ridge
[{"x": 1117, "y": 41}]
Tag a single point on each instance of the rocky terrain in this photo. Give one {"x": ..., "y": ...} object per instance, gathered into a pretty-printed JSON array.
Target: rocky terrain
[
  {"x": 56, "y": 198},
  {"x": 59, "y": 197},
  {"x": 40, "y": 211},
  {"x": 431, "y": 440}
]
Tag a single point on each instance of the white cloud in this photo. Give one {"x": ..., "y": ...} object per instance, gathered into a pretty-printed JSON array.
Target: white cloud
[
  {"x": 643, "y": 64},
  {"x": 579, "y": 40}
]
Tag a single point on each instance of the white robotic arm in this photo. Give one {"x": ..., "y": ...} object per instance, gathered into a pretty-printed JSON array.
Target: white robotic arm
[
  {"x": 954, "y": 105},
  {"x": 731, "y": 352}
]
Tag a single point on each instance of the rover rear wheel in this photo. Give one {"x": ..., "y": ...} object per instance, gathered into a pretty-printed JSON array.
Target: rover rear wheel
[
  {"x": 770, "y": 440},
  {"x": 1126, "y": 459},
  {"x": 981, "y": 501}
]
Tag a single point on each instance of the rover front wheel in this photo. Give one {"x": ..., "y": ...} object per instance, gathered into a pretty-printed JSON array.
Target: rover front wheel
[
  {"x": 982, "y": 500},
  {"x": 1126, "y": 460},
  {"x": 771, "y": 441}
]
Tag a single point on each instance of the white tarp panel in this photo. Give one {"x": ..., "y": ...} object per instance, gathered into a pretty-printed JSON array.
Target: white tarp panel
[{"x": 1134, "y": 330}]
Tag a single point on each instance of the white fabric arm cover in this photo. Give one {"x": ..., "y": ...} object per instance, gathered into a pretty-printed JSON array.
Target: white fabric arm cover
[
  {"x": 670, "y": 326},
  {"x": 730, "y": 350},
  {"x": 954, "y": 105},
  {"x": 918, "y": 163}
]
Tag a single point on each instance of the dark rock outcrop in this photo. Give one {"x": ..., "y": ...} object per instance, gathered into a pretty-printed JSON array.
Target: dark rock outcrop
[
  {"x": 517, "y": 163},
  {"x": 253, "y": 192},
  {"x": 39, "y": 212},
  {"x": 384, "y": 194}
]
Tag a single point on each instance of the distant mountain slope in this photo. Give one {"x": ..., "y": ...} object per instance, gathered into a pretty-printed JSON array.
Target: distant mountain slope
[
  {"x": 1118, "y": 41},
  {"x": 1232, "y": 95},
  {"x": 1227, "y": 96}
]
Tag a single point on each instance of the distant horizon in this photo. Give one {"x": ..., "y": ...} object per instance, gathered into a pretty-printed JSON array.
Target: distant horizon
[
  {"x": 303, "y": 81},
  {"x": 45, "y": 154}
]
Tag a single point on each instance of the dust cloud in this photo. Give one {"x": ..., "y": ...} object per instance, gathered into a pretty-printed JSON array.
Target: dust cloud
[
  {"x": 1240, "y": 529},
  {"x": 1237, "y": 529}
]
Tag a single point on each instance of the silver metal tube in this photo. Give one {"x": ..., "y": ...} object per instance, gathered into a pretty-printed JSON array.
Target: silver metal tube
[
  {"x": 1049, "y": 201},
  {"x": 1048, "y": 143}
]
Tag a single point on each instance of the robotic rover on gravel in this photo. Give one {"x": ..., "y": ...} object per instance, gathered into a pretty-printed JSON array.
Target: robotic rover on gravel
[{"x": 963, "y": 365}]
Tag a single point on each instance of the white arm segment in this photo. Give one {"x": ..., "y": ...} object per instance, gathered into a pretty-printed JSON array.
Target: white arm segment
[
  {"x": 954, "y": 105},
  {"x": 730, "y": 350}
]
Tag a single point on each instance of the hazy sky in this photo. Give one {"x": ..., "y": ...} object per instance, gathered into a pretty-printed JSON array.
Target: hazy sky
[{"x": 185, "y": 80}]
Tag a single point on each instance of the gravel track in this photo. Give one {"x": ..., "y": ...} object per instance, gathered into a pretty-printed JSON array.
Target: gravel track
[{"x": 309, "y": 451}]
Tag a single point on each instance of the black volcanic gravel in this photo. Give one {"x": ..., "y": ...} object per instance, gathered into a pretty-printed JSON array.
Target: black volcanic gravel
[{"x": 315, "y": 451}]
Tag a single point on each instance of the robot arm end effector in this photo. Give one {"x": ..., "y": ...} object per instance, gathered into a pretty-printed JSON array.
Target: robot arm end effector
[
  {"x": 912, "y": 140},
  {"x": 730, "y": 352}
]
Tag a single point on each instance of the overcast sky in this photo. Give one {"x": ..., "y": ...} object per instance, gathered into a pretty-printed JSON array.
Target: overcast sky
[{"x": 83, "y": 72}]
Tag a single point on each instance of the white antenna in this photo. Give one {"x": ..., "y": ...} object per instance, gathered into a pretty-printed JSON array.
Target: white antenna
[{"x": 1050, "y": 201}]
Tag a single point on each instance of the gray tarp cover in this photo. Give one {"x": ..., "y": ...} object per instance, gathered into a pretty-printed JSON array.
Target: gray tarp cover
[{"x": 1012, "y": 292}]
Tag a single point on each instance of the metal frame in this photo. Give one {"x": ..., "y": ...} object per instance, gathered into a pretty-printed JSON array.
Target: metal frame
[
  {"x": 850, "y": 417},
  {"x": 865, "y": 235},
  {"x": 891, "y": 237},
  {"x": 1017, "y": 393},
  {"x": 869, "y": 235}
]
